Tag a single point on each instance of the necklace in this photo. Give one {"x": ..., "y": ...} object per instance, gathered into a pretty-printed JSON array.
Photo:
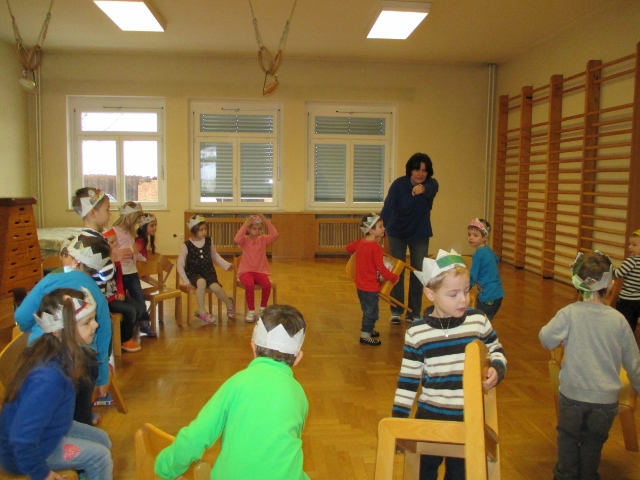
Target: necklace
[{"x": 446, "y": 330}]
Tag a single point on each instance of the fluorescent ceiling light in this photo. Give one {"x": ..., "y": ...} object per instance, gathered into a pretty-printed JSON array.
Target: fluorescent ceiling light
[
  {"x": 133, "y": 16},
  {"x": 396, "y": 20}
]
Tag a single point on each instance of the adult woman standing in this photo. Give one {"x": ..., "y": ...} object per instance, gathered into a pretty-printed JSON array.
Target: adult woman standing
[{"x": 407, "y": 219}]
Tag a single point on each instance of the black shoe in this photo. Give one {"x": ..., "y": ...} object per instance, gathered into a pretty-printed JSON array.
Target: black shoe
[
  {"x": 370, "y": 341},
  {"x": 375, "y": 334},
  {"x": 395, "y": 319}
]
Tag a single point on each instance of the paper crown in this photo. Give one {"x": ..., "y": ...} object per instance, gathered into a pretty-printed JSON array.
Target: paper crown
[
  {"x": 589, "y": 284},
  {"x": 85, "y": 255},
  {"x": 444, "y": 261},
  {"x": 52, "y": 322},
  {"x": 65, "y": 243},
  {"x": 481, "y": 226},
  {"x": 277, "y": 339},
  {"x": 195, "y": 220},
  {"x": 146, "y": 218},
  {"x": 255, "y": 219},
  {"x": 129, "y": 209},
  {"x": 89, "y": 202},
  {"x": 369, "y": 223}
]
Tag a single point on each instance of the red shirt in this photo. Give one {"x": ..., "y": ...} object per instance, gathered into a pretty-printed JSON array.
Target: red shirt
[{"x": 369, "y": 261}]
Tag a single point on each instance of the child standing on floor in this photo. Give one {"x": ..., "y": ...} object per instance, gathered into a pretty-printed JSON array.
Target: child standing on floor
[
  {"x": 629, "y": 299},
  {"x": 597, "y": 341},
  {"x": 125, "y": 228},
  {"x": 131, "y": 310},
  {"x": 434, "y": 353},
  {"x": 484, "y": 268},
  {"x": 37, "y": 432},
  {"x": 261, "y": 410},
  {"x": 254, "y": 267},
  {"x": 370, "y": 264},
  {"x": 195, "y": 267},
  {"x": 146, "y": 239}
]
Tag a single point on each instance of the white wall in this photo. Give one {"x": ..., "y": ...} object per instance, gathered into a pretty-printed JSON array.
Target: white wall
[{"x": 14, "y": 135}]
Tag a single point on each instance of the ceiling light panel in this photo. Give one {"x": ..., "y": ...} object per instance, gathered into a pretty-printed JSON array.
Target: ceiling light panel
[
  {"x": 396, "y": 20},
  {"x": 132, "y": 16}
]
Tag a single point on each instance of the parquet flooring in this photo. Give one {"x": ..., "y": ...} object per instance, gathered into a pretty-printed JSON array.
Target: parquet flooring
[{"x": 350, "y": 387}]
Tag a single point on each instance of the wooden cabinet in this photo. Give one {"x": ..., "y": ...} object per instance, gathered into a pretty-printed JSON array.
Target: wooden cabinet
[{"x": 20, "y": 261}]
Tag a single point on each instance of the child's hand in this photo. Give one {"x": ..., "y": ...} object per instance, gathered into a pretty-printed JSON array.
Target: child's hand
[
  {"x": 103, "y": 390},
  {"x": 262, "y": 217},
  {"x": 491, "y": 380},
  {"x": 230, "y": 269},
  {"x": 418, "y": 190},
  {"x": 120, "y": 296}
]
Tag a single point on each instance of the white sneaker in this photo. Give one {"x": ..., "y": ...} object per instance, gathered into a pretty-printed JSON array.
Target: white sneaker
[{"x": 251, "y": 317}]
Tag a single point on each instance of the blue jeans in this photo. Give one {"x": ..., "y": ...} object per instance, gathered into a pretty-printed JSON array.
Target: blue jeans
[
  {"x": 582, "y": 430},
  {"x": 489, "y": 308},
  {"x": 84, "y": 448},
  {"x": 418, "y": 249},
  {"x": 132, "y": 311},
  {"x": 370, "y": 310},
  {"x": 132, "y": 285},
  {"x": 454, "y": 467}
]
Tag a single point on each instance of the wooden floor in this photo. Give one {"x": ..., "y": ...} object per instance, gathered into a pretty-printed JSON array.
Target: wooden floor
[{"x": 350, "y": 386}]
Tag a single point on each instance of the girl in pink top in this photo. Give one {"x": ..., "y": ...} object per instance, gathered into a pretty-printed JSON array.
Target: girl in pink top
[{"x": 254, "y": 268}]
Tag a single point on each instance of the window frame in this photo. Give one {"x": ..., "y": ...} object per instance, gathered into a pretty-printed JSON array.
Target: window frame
[
  {"x": 388, "y": 111},
  {"x": 76, "y": 105},
  {"x": 234, "y": 107}
]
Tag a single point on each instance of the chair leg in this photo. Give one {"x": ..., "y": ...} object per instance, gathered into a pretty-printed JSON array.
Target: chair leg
[
  {"x": 219, "y": 309},
  {"x": 152, "y": 315},
  {"x": 211, "y": 302},
  {"x": 161, "y": 311},
  {"x": 115, "y": 327},
  {"x": 118, "y": 399},
  {"x": 628, "y": 424},
  {"x": 274, "y": 301},
  {"x": 178, "y": 310},
  {"x": 189, "y": 307}
]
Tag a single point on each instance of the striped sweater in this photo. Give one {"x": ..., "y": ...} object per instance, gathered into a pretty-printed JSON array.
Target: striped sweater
[
  {"x": 630, "y": 271},
  {"x": 434, "y": 356}
]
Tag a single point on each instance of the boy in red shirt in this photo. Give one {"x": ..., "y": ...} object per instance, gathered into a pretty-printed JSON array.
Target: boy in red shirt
[{"x": 369, "y": 265}]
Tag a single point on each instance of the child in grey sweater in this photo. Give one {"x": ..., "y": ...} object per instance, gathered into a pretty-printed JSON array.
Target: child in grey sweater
[{"x": 597, "y": 341}]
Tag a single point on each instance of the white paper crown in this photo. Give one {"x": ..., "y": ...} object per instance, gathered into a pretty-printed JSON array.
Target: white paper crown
[
  {"x": 53, "y": 322},
  {"x": 146, "y": 218},
  {"x": 369, "y": 223},
  {"x": 88, "y": 203},
  {"x": 129, "y": 209},
  {"x": 255, "y": 219},
  {"x": 589, "y": 284},
  {"x": 277, "y": 339},
  {"x": 195, "y": 220},
  {"x": 481, "y": 226},
  {"x": 444, "y": 261},
  {"x": 85, "y": 255}
]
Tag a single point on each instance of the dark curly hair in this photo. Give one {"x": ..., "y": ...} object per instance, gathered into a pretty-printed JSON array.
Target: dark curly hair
[{"x": 414, "y": 164}]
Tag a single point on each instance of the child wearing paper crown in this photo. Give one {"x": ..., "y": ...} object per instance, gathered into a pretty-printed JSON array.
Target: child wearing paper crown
[
  {"x": 87, "y": 255},
  {"x": 254, "y": 268},
  {"x": 484, "y": 268},
  {"x": 370, "y": 264},
  {"x": 597, "y": 341},
  {"x": 195, "y": 267},
  {"x": 629, "y": 299},
  {"x": 125, "y": 228},
  {"x": 434, "y": 353},
  {"x": 260, "y": 411},
  {"x": 37, "y": 432},
  {"x": 146, "y": 234}
]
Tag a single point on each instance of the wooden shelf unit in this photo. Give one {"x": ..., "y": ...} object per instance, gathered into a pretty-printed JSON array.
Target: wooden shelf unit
[{"x": 568, "y": 167}]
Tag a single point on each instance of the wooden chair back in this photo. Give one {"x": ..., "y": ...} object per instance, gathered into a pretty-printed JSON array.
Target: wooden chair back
[
  {"x": 237, "y": 284},
  {"x": 475, "y": 439},
  {"x": 150, "y": 440},
  {"x": 161, "y": 267},
  {"x": 9, "y": 359}
]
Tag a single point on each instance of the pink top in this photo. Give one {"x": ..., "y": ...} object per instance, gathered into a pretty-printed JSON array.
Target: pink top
[
  {"x": 125, "y": 242},
  {"x": 254, "y": 252}
]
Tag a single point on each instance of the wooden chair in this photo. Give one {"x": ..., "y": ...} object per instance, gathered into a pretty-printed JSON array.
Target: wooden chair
[
  {"x": 473, "y": 293},
  {"x": 627, "y": 398},
  {"x": 8, "y": 360},
  {"x": 161, "y": 267},
  {"x": 150, "y": 441},
  {"x": 238, "y": 284},
  {"x": 475, "y": 439},
  {"x": 191, "y": 293},
  {"x": 116, "y": 394},
  {"x": 116, "y": 320}
]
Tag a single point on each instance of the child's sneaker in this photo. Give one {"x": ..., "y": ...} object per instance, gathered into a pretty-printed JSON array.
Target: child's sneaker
[
  {"x": 370, "y": 341},
  {"x": 131, "y": 346},
  {"x": 205, "y": 317},
  {"x": 375, "y": 334},
  {"x": 231, "y": 312},
  {"x": 251, "y": 317},
  {"x": 395, "y": 319},
  {"x": 145, "y": 329}
]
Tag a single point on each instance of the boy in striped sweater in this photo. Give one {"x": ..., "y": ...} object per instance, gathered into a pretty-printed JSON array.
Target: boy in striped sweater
[
  {"x": 434, "y": 353},
  {"x": 629, "y": 300}
]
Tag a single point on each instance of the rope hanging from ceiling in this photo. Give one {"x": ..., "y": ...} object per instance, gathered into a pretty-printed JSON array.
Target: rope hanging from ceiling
[
  {"x": 269, "y": 64},
  {"x": 29, "y": 58}
]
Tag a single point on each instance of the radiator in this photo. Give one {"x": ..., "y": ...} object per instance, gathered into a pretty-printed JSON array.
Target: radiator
[
  {"x": 335, "y": 233},
  {"x": 222, "y": 231}
]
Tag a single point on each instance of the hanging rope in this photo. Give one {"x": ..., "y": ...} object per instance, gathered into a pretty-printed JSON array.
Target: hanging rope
[
  {"x": 268, "y": 63},
  {"x": 30, "y": 59}
]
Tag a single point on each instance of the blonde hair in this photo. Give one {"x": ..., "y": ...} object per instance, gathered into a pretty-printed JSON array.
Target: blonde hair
[
  {"x": 436, "y": 282},
  {"x": 128, "y": 222}
]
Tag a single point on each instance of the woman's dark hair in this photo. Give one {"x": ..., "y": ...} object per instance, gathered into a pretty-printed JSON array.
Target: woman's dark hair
[
  {"x": 414, "y": 164},
  {"x": 63, "y": 347},
  {"x": 149, "y": 240}
]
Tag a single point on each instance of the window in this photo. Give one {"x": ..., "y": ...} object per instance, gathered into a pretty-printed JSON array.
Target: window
[
  {"x": 350, "y": 155},
  {"x": 117, "y": 145},
  {"x": 235, "y": 154}
]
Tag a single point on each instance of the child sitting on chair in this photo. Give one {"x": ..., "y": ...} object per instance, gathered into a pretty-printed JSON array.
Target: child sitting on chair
[
  {"x": 370, "y": 264},
  {"x": 260, "y": 411},
  {"x": 629, "y": 299},
  {"x": 434, "y": 353},
  {"x": 146, "y": 234},
  {"x": 597, "y": 340},
  {"x": 195, "y": 267}
]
